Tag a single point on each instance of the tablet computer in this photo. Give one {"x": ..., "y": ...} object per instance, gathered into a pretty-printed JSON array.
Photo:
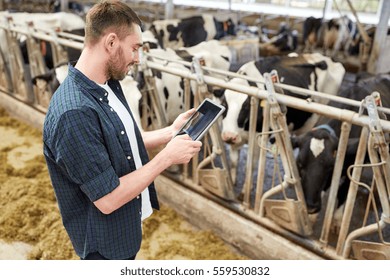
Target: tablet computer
[{"x": 198, "y": 124}]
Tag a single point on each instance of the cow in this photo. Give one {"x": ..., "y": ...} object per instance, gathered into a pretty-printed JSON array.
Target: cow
[
  {"x": 67, "y": 22},
  {"x": 57, "y": 75},
  {"x": 355, "y": 48},
  {"x": 148, "y": 38},
  {"x": 317, "y": 148},
  {"x": 80, "y": 9},
  {"x": 170, "y": 88},
  {"x": 309, "y": 71},
  {"x": 338, "y": 35},
  {"x": 188, "y": 32},
  {"x": 284, "y": 42},
  {"x": 311, "y": 33}
]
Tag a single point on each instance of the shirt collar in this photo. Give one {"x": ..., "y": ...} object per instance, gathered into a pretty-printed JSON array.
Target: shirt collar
[{"x": 87, "y": 84}]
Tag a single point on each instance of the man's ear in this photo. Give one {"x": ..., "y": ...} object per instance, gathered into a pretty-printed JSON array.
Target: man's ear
[{"x": 110, "y": 41}]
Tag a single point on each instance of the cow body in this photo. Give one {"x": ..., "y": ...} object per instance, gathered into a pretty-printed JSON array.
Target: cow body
[
  {"x": 309, "y": 71},
  {"x": 318, "y": 147},
  {"x": 285, "y": 41},
  {"x": 188, "y": 32},
  {"x": 338, "y": 35},
  {"x": 170, "y": 88},
  {"x": 67, "y": 22},
  {"x": 311, "y": 33},
  {"x": 57, "y": 75},
  {"x": 49, "y": 21}
]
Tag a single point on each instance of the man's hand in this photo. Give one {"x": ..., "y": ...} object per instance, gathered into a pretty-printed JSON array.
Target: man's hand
[
  {"x": 181, "y": 149},
  {"x": 180, "y": 120}
]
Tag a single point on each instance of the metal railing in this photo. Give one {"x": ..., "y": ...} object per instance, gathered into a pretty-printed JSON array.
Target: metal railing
[
  {"x": 290, "y": 212},
  {"x": 209, "y": 173}
]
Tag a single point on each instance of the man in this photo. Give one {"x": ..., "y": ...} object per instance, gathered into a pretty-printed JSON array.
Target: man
[{"x": 96, "y": 155}]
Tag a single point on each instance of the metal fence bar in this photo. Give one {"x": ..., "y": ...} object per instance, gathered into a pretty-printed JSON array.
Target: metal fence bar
[
  {"x": 322, "y": 109},
  {"x": 297, "y": 90},
  {"x": 43, "y": 36}
]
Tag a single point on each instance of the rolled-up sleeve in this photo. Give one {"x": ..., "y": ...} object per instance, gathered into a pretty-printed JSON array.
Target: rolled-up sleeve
[{"x": 82, "y": 155}]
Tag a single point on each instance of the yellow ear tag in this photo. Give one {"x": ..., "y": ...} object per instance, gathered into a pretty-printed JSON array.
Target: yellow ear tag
[{"x": 262, "y": 103}]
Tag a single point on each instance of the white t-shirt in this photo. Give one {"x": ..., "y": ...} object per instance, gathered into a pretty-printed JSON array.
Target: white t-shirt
[{"x": 128, "y": 122}]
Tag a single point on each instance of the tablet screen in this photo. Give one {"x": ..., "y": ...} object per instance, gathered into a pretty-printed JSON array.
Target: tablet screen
[{"x": 202, "y": 119}]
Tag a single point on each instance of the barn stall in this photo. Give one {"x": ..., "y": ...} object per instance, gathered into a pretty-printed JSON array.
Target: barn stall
[{"x": 248, "y": 218}]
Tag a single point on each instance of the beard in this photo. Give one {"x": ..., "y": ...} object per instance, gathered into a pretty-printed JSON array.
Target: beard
[{"x": 116, "y": 67}]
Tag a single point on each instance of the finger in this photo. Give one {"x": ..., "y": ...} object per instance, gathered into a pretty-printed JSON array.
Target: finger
[
  {"x": 184, "y": 137},
  {"x": 189, "y": 112},
  {"x": 198, "y": 143}
]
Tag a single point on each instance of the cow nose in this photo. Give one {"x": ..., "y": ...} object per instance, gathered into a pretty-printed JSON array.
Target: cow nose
[
  {"x": 229, "y": 138},
  {"x": 313, "y": 208}
]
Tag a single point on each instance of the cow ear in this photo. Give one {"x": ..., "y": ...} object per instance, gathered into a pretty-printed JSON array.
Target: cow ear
[
  {"x": 296, "y": 141},
  {"x": 218, "y": 92},
  {"x": 334, "y": 141}
]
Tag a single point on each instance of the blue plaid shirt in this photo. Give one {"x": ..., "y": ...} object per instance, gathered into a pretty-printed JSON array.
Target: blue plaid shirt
[{"x": 86, "y": 149}]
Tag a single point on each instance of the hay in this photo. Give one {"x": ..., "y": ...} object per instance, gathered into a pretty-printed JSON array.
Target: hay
[{"x": 29, "y": 211}]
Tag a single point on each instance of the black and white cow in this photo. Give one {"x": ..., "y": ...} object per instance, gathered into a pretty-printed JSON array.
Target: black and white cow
[
  {"x": 170, "y": 88},
  {"x": 309, "y": 71},
  {"x": 285, "y": 41},
  {"x": 338, "y": 35},
  {"x": 188, "y": 32},
  {"x": 148, "y": 38},
  {"x": 57, "y": 75},
  {"x": 317, "y": 148},
  {"x": 67, "y": 22},
  {"x": 311, "y": 33}
]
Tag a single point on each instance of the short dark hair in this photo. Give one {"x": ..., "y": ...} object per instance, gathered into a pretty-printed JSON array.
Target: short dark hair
[{"x": 112, "y": 16}]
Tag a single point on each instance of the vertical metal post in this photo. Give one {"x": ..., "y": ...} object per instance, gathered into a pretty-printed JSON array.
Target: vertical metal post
[
  {"x": 352, "y": 192},
  {"x": 169, "y": 7},
  {"x": 378, "y": 62},
  {"x": 327, "y": 8},
  {"x": 187, "y": 96},
  {"x": 64, "y": 5},
  {"x": 251, "y": 151},
  {"x": 262, "y": 157},
  {"x": 334, "y": 187}
]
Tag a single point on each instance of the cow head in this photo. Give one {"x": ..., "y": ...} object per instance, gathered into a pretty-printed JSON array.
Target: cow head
[
  {"x": 315, "y": 161},
  {"x": 232, "y": 128},
  {"x": 287, "y": 39},
  {"x": 236, "y": 122}
]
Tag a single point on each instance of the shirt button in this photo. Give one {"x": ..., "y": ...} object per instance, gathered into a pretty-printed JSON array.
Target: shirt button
[
  {"x": 112, "y": 110},
  {"x": 105, "y": 94},
  {"x": 137, "y": 196},
  {"x": 122, "y": 132},
  {"x": 101, "y": 99},
  {"x": 140, "y": 212},
  {"x": 129, "y": 157}
]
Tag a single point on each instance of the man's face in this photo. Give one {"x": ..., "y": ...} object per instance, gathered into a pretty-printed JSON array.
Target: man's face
[{"x": 125, "y": 56}]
